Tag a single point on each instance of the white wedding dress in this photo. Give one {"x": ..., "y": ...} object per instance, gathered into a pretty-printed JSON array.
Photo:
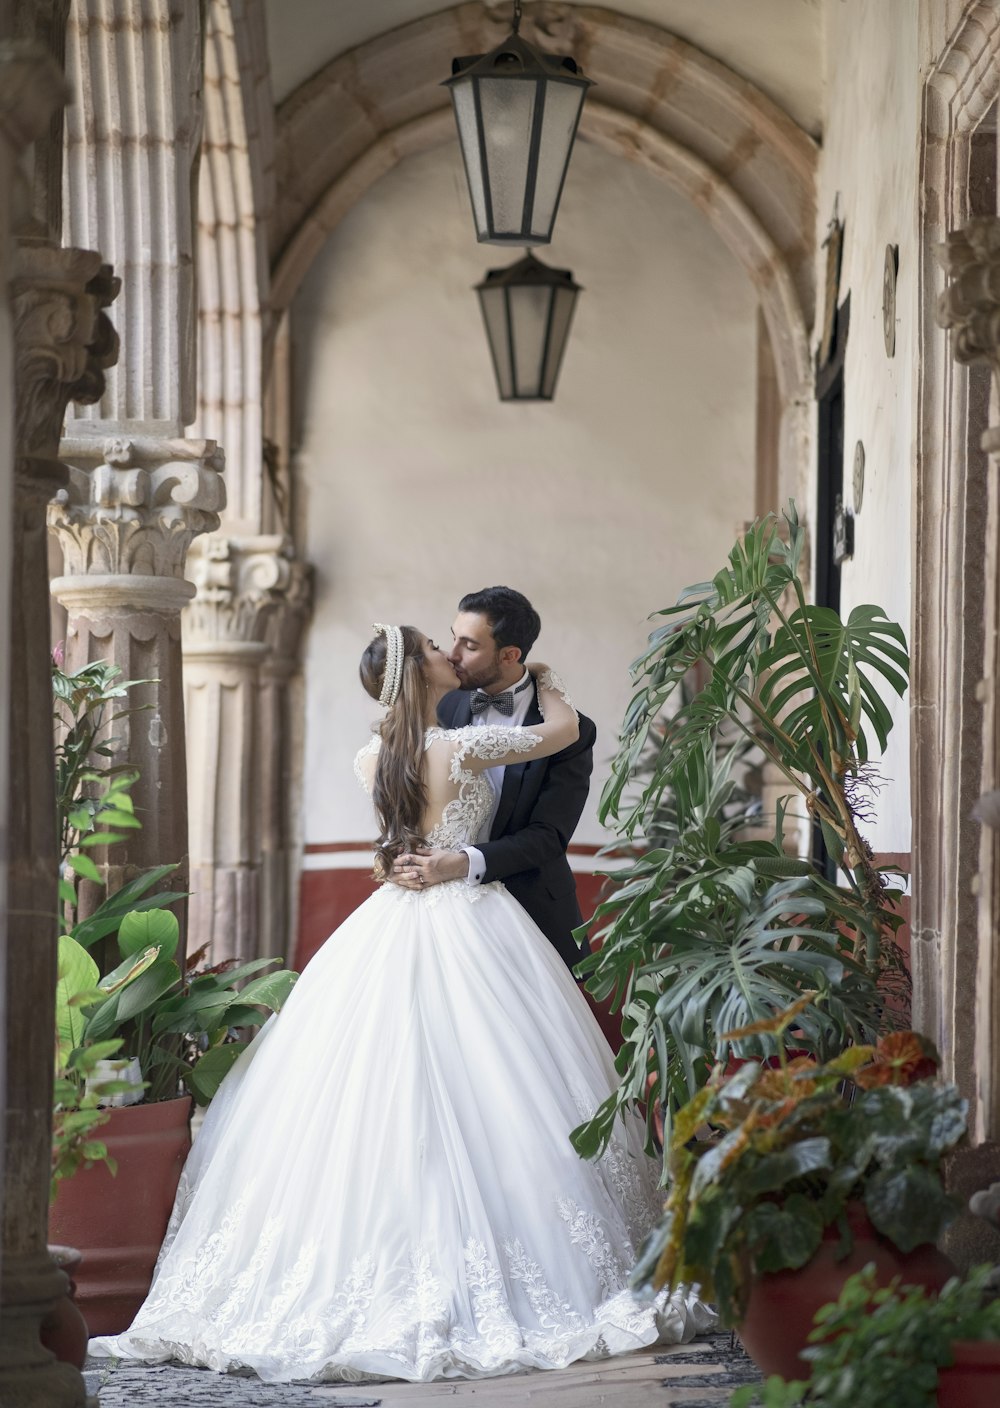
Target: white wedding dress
[{"x": 384, "y": 1185}]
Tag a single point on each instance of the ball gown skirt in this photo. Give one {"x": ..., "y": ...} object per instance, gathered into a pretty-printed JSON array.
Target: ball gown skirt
[{"x": 383, "y": 1186}]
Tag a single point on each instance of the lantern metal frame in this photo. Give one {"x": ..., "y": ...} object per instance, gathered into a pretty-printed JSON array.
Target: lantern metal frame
[
  {"x": 513, "y": 61},
  {"x": 528, "y": 273}
]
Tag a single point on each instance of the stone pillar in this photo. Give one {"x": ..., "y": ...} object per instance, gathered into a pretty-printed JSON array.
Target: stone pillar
[
  {"x": 279, "y": 750},
  {"x": 970, "y": 309},
  {"x": 62, "y": 340},
  {"x": 139, "y": 491},
  {"x": 240, "y": 583},
  {"x": 124, "y": 522}
]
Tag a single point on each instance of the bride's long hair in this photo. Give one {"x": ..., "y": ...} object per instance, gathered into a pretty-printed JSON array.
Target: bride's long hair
[{"x": 399, "y": 792}]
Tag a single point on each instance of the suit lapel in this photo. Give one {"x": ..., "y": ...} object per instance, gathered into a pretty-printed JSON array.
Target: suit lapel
[
  {"x": 455, "y": 709},
  {"x": 512, "y": 778}
]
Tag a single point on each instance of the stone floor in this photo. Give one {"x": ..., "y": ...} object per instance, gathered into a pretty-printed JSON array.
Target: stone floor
[{"x": 698, "y": 1375}]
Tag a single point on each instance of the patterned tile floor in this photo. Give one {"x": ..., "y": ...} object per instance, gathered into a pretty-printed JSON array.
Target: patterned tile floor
[{"x": 699, "y": 1375}]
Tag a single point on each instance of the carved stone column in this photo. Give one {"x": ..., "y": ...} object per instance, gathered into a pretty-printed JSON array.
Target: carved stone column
[
  {"x": 970, "y": 309},
  {"x": 240, "y": 584},
  {"x": 279, "y": 750},
  {"x": 139, "y": 491},
  {"x": 61, "y": 342},
  {"x": 124, "y": 522}
]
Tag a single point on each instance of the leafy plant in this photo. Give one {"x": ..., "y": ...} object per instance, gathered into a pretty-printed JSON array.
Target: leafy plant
[
  {"x": 874, "y": 1348},
  {"x": 145, "y": 1000},
  {"x": 709, "y": 932},
  {"x": 790, "y": 1146},
  {"x": 93, "y": 801}
]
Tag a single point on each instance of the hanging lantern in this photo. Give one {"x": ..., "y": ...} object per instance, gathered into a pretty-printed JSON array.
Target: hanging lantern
[
  {"x": 527, "y": 309},
  {"x": 517, "y": 111}
]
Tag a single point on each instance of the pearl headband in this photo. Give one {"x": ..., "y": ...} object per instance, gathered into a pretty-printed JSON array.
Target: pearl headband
[{"x": 393, "y": 676}]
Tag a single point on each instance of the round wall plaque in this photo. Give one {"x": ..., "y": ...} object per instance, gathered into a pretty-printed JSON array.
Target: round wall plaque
[
  {"x": 859, "y": 476},
  {"x": 889, "y": 271}
]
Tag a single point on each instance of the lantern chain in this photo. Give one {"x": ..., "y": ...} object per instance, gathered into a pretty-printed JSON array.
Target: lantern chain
[{"x": 517, "y": 15}]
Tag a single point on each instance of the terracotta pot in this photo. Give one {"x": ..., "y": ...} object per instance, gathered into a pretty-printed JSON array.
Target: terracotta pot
[
  {"x": 118, "y": 1222},
  {"x": 782, "y": 1304},
  {"x": 64, "y": 1331},
  {"x": 973, "y": 1381}
]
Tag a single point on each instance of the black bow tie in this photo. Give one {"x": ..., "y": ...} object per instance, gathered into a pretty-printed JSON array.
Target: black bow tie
[{"x": 502, "y": 703}]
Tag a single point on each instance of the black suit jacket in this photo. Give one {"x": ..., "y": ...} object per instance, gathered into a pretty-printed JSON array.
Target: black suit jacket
[{"x": 540, "y": 805}]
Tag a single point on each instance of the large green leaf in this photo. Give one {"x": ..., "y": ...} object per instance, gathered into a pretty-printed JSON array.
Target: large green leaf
[
  {"x": 142, "y": 929},
  {"x": 78, "y": 973}
]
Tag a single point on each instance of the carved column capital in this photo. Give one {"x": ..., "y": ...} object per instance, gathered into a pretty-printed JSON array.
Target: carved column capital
[
  {"x": 288, "y": 620},
  {"x": 63, "y": 341},
  {"x": 133, "y": 506},
  {"x": 969, "y": 307},
  {"x": 240, "y": 582},
  {"x": 32, "y": 89}
]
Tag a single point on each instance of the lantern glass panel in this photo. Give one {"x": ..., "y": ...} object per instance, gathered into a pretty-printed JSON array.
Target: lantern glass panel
[
  {"x": 464, "y": 100},
  {"x": 562, "y": 110},
  {"x": 508, "y": 109},
  {"x": 493, "y": 303},
  {"x": 529, "y": 316},
  {"x": 564, "y": 301}
]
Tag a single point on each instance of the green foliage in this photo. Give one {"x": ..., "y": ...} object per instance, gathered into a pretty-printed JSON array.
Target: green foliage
[
  {"x": 93, "y": 805},
  {"x": 706, "y": 931},
  {"x": 75, "y": 1113},
  {"x": 875, "y": 1348},
  {"x": 145, "y": 999},
  {"x": 788, "y": 1149}
]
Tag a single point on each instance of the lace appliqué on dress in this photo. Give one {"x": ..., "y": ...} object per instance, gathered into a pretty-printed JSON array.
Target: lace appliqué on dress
[
  {"x": 372, "y": 746},
  {"x": 550, "y": 680}
]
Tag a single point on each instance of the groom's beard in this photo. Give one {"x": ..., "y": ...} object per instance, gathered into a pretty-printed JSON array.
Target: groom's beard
[{"x": 483, "y": 678}]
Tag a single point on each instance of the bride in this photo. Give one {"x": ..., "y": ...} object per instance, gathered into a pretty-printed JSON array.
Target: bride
[{"x": 384, "y": 1185}]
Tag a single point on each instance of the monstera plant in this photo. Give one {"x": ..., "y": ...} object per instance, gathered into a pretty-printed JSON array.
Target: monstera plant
[{"x": 704, "y": 931}]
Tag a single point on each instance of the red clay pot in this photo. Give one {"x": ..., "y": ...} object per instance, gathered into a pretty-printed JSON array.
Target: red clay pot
[
  {"x": 782, "y": 1304},
  {"x": 973, "y": 1381},
  {"x": 118, "y": 1222},
  {"x": 64, "y": 1331}
]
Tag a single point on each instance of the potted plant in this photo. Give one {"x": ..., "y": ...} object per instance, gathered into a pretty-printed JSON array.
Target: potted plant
[
  {"x": 784, "y": 1179},
  {"x": 707, "y": 930},
  {"x": 134, "y": 1021},
  {"x": 897, "y": 1345},
  {"x": 177, "y": 1028}
]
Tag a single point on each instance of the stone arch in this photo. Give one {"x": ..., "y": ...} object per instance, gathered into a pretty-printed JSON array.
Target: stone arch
[
  {"x": 661, "y": 102},
  {"x": 235, "y": 201},
  {"x": 955, "y": 573}
]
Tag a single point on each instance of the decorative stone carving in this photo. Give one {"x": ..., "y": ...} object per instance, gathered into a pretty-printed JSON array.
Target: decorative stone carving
[
  {"x": 970, "y": 305},
  {"x": 64, "y": 340},
  {"x": 133, "y": 505},
  {"x": 252, "y": 596},
  {"x": 239, "y": 583}
]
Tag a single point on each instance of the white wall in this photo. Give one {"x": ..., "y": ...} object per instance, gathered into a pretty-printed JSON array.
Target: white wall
[
  {"x": 869, "y": 164},
  {"x": 418, "y": 485}
]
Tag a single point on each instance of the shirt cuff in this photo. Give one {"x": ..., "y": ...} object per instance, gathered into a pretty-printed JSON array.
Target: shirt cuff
[{"x": 477, "y": 865}]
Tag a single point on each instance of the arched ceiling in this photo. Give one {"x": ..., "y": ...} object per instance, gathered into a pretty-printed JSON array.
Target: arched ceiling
[{"x": 775, "y": 44}]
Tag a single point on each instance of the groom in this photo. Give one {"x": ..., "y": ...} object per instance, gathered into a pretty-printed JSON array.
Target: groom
[{"x": 537, "y": 805}]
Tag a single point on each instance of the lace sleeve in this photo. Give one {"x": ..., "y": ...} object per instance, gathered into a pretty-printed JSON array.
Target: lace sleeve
[
  {"x": 550, "y": 680},
  {"x": 491, "y": 743},
  {"x": 370, "y": 748}
]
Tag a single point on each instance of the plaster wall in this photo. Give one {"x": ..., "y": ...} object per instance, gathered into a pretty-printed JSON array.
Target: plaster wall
[
  {"x": 418, "y": 485},
  {"x": 868, "y": 172}
]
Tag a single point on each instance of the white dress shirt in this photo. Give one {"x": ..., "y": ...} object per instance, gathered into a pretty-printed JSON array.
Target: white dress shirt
[{"x": 522, "y": 703}]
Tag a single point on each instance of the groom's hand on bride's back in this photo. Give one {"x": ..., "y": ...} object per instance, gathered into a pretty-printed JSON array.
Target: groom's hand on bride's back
[{"x": 415, "y": 870}]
